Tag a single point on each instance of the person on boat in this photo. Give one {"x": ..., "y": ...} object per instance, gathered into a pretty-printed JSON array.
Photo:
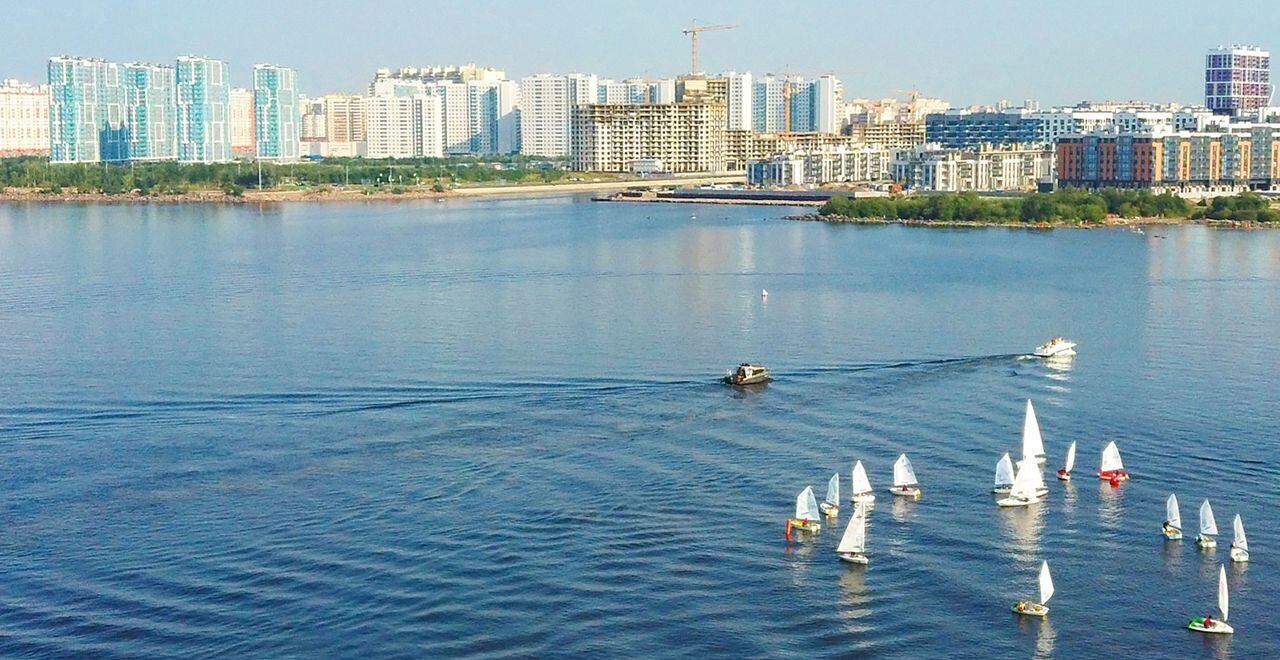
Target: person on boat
[
  {"x": 1208, "y": 621},
  {"x": 1169, "y": 529}
]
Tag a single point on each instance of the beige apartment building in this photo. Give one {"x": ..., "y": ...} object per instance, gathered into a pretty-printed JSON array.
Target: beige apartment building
[
  {"x": 679, "y": 138},
  {"x": 24, "y": 119}
]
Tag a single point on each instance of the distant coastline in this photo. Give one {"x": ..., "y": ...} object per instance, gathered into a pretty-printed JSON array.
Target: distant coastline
[{"x": 1109, "y": 223}]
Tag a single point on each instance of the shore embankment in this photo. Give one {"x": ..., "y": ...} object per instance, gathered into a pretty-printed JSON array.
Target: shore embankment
[
  {"x": 1109, "y": 223},
  {"x": 354, "y": 193}
]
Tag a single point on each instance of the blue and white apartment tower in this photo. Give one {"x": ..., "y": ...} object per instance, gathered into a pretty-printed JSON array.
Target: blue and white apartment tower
[
  {"x": 149, "y": 91},
  {"x": 277, "y": 118},
  {"x": 86, "y": 111},
  {"x": 203, "y": 110}
]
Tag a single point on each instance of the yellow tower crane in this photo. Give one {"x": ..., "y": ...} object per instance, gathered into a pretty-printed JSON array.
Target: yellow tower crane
[{"x": 693, "y": 30}]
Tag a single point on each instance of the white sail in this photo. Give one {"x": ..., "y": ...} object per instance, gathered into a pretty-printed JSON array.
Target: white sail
[
  {"x": 1032, "y": 443},
  {"x": 1037, "y": 477},
  {"x": 1171, "y": 512},
  {"x": 1046, "y": 583},
  {"x": 806, "y": 505},
  {"x": 861, "y": 485},
  {"x": 903, "y": 473},
  {"x": 1071, "y": 458},
  {"x": 833, "y": 490},
  {"x": 1024, "y": 482},
  {"x": 1111, "y": 458},
  {"x": 1222, "y": 592},
  {"x": 1208, "y": 526},
  {"x": 1004, "y": 471},
  {"x": 1240, "y": 541},
  {"x": 855, "y": 535}
]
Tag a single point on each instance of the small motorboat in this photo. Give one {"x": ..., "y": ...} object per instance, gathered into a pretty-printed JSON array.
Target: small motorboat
[
  {"x": 1112, "y": 468},
  {"x": 1172, "y": 519},
  {"x": 748, "y": 374},
  {"x": 1208, "y": 527},
  {"x": 861, "y": 486},
  {"x": 1208, "y": 624},
  {"x": 830, "y": 507},
  {"x": 853, "y": 545},
  {"x": 1239, "y": 544},
  {"x": 1032, "y": 608},
  {"x": 904, "y": 478},
  {"x": 1058, "y": 347},
  {"x": 806, "y": 519},
  {"x": 1065, "y": 473}
]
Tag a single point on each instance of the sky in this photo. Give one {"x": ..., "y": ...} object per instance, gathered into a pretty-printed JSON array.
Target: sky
[{"x": 966, "y": 51}]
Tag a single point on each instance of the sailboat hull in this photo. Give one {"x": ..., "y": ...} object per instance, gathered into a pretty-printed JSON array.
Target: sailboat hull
[
  {"x": 1206, "y": 541},
  {"x": 1028, "y": 608},
  {"x": 865, "y": 498},
  {"x": 1064, "y": 475},
  {"x": 1016, "y": 501},
  {"x": 1173, "y": 536},
  {"x": 1219, "y": 628},
  {"x": 906, "y": 491},
  {"x": 805, "y": 525},
  {"x": 1001, "y": 490},
  {"x": 829, "y": 510},
  {"x": 1118, "y": 474},
  {"x": 854, "y": 558},
  {"x": 1238, "y": 555}
]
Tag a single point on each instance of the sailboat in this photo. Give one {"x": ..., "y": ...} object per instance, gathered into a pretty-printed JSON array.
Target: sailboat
[
  {"x": 806, "y": 512},
  {"x": 1046, "y": 592},
  {"x": 1208, "y": 527},
  {"x": 1026, "y": 485},
  {"x": 853, "y": 545},
  {"x": 1032, "y": 443},
  {"x": 1112, "y": 467},
  {"x": 904, "y": 478},
  {"x": 862, "y": 486},
  {"x": 1004, "y": 475},
  {"x": 1172, "y": 519},
  {"x": 1208, "y": 624},
  {"x": 1065, "y": 473},
  {"x": 830, "y": 506},
  {"x": 1239, "y": 545}
]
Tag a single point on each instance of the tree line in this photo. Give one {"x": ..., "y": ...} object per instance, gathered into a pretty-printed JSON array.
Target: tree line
[
  {"x": 1069, "y": 206},
  {"x": 234, "y": 178}
]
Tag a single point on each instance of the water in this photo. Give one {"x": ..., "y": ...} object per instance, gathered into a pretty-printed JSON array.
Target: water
[{"x": 492, "y": 429}]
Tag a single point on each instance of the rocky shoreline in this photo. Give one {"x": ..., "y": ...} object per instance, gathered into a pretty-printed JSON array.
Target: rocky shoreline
[{"x": 1110, "y": 222}]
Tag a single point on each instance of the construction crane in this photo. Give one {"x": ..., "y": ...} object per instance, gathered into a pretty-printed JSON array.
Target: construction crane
[
  {"x": 913, "y": 93},
  {"x": 693, "y": 31}
]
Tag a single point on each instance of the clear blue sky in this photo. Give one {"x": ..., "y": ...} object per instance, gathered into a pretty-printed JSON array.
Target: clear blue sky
[{"x": 1056, "y": 51}]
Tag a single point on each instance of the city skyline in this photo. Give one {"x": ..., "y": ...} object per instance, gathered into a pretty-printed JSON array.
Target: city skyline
[{"x": 965, "y": 53}]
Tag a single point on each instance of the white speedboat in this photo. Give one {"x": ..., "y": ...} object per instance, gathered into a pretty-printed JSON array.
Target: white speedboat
[
  {"x": 748, "y": 374},
  {"x": 1032, "y": 608},
  {"x": 1172, "y": 519},
  {"x": 1208, "y": 624},
  {"x": 806, "y": 512},
  {"x": 904, "y": 478},
  {"x": 830, "y": 506},
  {"x": 1239, "y": 544},
  {"x": 853, "y": 545},
  {"x": 1208, "y": 527},
  {"x": 1004, "y": 475},
  {"x": 1055, "y": 348},
  {"x": 862, "y": 486}
]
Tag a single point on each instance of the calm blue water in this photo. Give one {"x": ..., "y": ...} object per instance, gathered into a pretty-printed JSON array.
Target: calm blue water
[{"x": 492, "y": 429}]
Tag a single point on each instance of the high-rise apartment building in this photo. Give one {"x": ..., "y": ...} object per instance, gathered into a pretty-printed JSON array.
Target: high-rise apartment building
[
  {"x": 404, "y": 126},
  {"x": 276, "y": 116},
  {"x": 24, "y": 119},
  {"x": 149, "y": 111},
  {"x": 739, "y": 100},
  {"x": 688, "y": 136},
  {"x": 240, "y": 110},
  {"x": 314, "y": 126},
  {"x": 344, "y": 118},
  {"x": 1237, "y": 79},
  {"x": 86, "y": 111},
  {"x": 203, "y": 110},
  {"x": 546, "y": 104}
]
